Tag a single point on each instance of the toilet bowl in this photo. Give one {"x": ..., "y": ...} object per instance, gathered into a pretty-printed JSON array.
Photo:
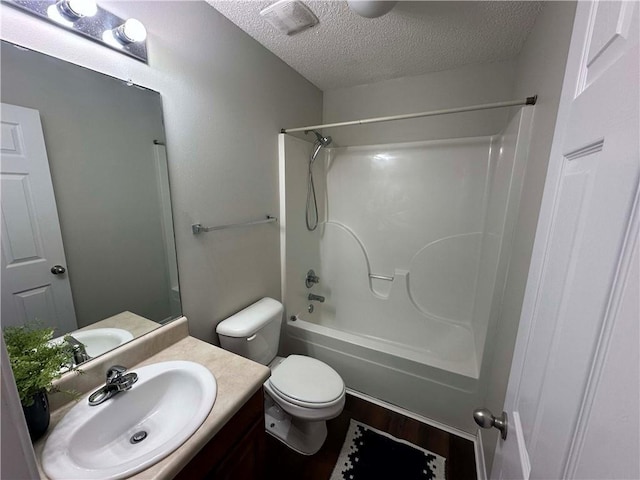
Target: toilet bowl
[
  {"x": 302, "y": 392},
  {"x": 301, "y": 395}
]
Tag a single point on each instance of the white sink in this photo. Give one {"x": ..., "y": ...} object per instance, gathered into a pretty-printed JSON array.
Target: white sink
[
  {"x": 99, "y": 340},
  {"x": 169, "y": 402}
]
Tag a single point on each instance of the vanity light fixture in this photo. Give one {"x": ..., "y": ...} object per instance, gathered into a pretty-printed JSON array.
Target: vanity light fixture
[{"x": 86, "y": 18}]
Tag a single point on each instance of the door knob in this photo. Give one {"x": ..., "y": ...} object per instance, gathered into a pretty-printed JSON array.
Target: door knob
[
  {"x": 485, "y": 419},
  {"x": 58, "y": 270}
]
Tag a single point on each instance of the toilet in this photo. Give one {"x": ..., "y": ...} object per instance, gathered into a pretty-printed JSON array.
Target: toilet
[{"x": 302, "y": 392}]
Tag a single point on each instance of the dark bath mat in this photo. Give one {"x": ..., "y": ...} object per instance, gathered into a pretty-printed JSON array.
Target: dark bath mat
[{"x": 369, "y": 454}]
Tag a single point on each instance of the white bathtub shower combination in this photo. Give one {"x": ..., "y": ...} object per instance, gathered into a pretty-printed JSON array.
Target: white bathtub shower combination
[{"x": 411, "y": 251}]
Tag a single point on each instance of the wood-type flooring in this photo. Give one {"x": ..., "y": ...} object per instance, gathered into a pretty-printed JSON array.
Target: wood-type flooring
[{"x": 285, "y": 464}]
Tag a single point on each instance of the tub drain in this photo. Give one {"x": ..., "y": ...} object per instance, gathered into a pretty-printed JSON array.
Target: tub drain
[{"x": 138, "y": 437}]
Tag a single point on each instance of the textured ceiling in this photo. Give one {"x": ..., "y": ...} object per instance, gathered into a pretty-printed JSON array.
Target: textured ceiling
[{"x": 345, "y": 49}]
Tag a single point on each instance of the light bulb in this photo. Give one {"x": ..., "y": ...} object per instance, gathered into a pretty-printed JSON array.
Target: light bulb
[
  {"x": 83, "y": 8},
  {"x": 131, "y": 31},
  {"x": 54, "y": 14},
  {"x": 108, "y": 37},
  {"x": 75, "y": 9}
]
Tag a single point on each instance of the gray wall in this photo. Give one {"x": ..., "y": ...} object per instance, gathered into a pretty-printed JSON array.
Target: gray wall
[
  {"x": 225, "y": 98},
  {"x": 470, "y": 85},
  {"x": 540, "y": 70},
  {"x": 99, "y": 134}
]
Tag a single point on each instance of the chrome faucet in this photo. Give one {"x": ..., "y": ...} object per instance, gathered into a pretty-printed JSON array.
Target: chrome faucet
[
  {"x": 317, "y": 298},
  {"x": 117, "y": 381},
  {"x": 78, "y": 349}
]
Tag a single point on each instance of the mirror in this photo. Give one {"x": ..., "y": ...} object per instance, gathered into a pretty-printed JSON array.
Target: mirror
[{"x": 87, "y": 229}]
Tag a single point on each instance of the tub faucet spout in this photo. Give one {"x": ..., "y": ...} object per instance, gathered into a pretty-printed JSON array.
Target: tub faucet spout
[{"x": 317, "y": 298}]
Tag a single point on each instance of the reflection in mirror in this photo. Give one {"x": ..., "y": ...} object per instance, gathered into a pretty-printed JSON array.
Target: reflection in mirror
[{"x": 87, "y": 230}]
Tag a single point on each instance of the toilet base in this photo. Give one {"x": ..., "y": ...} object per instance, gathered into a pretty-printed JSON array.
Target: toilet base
[{"x": 305, "y": 437}]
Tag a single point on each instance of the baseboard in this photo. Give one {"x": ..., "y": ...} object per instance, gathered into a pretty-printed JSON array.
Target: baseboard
[
  {"x": 419, "y": 418},
  {"x": 481, "y": 467}
]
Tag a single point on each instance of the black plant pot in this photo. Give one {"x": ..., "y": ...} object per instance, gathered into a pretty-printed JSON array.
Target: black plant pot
[{"x": 37, "y": 415}]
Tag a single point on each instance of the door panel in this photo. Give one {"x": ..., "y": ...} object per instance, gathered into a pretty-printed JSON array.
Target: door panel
[
  {"x": 515, "y": 457},
  {"x": 31, "y": 237},
  {"x": 20, "y": 238},
  {"x": 587, "y": 229},
  {"x": 610, "y": 27}
]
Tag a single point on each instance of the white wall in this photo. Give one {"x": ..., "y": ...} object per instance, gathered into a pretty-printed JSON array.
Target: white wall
[
  {"x": 471, "y": 85},
  {"x": 225, "y": 98},
  {"x": 398, "y": 210},
  {"x": 510, "y": 151},
  {"x": 102, "y": 166},
  {"x": 298, "y": 247},
  {"x": 17, "y": 461},
  {"x": 413, "y": 211},
  {"x": 540, "y": 69}
]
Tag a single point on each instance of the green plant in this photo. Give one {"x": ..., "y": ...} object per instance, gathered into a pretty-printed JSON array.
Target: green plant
[{"x": 35, "y": 362}]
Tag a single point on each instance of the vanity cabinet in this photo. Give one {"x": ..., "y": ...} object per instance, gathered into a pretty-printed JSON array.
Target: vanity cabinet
[{"x": 237, "y": 451}]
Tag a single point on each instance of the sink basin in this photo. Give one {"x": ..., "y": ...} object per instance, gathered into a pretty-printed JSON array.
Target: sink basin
[
  {"x": 99, "y": 340},
  {"x": 168, "y": 403}
]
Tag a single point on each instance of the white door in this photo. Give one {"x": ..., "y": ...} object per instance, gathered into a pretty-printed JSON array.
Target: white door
[
  {"x": 572, "y": 399},
  {"x": 31, "y": 237}
]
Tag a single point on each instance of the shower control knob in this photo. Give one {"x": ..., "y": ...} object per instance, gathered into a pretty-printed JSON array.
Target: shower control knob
[
  {"x": 485, "y": 419},
  {"x": 311, "y": 279}
]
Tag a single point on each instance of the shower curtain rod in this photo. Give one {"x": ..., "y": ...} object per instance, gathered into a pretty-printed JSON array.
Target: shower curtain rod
[{"x": 364, "y": 121}]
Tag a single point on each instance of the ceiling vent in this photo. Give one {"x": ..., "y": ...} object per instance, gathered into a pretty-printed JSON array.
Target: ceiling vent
[{"x": 289, "y": 16}]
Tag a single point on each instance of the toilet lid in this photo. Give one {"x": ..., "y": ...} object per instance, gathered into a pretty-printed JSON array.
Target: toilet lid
[{"x": 307, "y": 380}]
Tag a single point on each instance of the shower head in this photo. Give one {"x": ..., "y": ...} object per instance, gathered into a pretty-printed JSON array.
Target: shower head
[{"x": 323, "y": 141}]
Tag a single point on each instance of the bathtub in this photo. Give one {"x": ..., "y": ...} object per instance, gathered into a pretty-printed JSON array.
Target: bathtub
[
  {"x": 412, "y": 251},
  {"x": 420, "y": 382},
  {"x": 450, "y": 365}
]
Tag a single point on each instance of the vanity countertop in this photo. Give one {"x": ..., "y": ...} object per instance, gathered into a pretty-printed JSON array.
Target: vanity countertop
[
  {"x": 238, "y": 379},
  {"x": 129, "y": 321}
]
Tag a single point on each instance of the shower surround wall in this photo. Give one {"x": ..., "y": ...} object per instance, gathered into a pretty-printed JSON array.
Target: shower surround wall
[{"x": 434, "y": 219}]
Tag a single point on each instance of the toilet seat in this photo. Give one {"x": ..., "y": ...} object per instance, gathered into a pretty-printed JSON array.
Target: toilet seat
[{"x": 307, "y": 382}]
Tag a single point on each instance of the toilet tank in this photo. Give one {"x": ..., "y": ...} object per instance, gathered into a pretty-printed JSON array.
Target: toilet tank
[{"x": 254, "y": 332}]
